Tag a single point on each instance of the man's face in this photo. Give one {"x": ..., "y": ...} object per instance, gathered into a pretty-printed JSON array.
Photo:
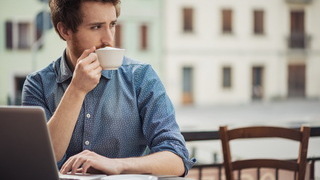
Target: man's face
[{"x": 97, "y": 28}]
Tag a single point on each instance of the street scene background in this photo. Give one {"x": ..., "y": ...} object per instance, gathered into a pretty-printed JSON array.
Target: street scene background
[{"x": 222, "y": 62}]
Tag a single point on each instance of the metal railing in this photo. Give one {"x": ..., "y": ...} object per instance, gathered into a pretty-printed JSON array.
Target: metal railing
[
  {"x": 298, "y": 41},
  {"x": 214, "y": 135}
]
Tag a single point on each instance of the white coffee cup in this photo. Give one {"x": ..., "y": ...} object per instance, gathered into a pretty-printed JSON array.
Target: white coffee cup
[{"x": 110, "y": 58}]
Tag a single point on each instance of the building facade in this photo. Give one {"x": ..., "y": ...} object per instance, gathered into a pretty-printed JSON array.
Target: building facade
[{"x": 230, "y": 51}]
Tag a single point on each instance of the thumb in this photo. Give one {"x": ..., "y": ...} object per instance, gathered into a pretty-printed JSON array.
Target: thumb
[{"x": 86, "y": 53}]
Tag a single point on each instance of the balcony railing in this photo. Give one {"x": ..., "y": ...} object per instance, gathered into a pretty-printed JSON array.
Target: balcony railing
[
  {"x": 215, "y": 170},
  {"x": 299, "y": 1},
  {"x": 298, "y": 41}
]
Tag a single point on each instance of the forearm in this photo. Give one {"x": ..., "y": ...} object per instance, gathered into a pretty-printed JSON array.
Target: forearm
[
  {"x": 62, "y": 123},
  {"x": 160, "y": 163}
]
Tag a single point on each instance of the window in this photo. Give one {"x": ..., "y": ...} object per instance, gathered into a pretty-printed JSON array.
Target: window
[
  {"x": 9, "y": 32},
  {"x": 298, "y": 38},
  {"x": 187, "y": 20},
  {"x": 24, "y": 39},
  {"x": 118, "y": 34},
  {"x": 187, "y": 85},
  {"x": 227, "y": 21},
  {"x": 18, "y": 82},
  {"x": 226, "y": 77},
  {"x": 257, "y": 82},
  {"x": 144, "y": 37},
  {"x": 19, "y": 35},
  {"x": 258, "y": 22}
]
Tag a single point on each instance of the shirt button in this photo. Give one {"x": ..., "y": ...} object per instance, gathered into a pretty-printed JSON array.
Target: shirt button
[
  {"x": 87, "y": 143},
  {"x": 88, "y": 115}
]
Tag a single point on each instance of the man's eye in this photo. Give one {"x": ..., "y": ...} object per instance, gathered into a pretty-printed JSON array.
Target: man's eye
[
  {"x": 113, "y": 24},
  {"x": 95, "y": 27}
]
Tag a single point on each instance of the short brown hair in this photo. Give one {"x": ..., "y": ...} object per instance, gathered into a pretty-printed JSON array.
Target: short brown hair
[{"x": 68, "y": 12}]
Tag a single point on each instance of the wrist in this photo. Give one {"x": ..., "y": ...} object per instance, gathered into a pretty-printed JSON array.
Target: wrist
[
  {"x": 133, "y": 165},
  {"x": 76, "y": 91},
  {"x": 122, "y": 165}
]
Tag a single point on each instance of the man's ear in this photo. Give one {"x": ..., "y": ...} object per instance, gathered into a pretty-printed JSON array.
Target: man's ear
[{"x": 64, "y": 32}]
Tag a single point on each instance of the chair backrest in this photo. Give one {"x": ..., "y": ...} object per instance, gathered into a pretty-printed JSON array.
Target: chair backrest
[{"x": 298, "y": 167}]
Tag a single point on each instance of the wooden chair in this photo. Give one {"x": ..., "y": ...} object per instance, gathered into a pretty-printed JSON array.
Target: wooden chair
[{"x": 298, "y": 167}]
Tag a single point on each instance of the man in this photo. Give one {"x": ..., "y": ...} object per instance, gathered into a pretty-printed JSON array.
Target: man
[{"x": 104, "y": 120}]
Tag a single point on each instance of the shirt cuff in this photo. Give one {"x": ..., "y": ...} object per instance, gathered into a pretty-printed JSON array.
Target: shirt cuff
[{"x": 178, "y": 149}]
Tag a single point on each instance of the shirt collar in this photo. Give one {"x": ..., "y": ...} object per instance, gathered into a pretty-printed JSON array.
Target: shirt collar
[{"x": 64, "y": 73}]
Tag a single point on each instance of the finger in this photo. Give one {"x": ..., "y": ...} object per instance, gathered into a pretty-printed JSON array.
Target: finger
[
  {"x": 91, "y": 58},
  {"x": 94, "y": 64},
  {"x": 85, "y": 166},
  {"x": 62, "y": 170},
  {"x": 79, "y": 170},
  {"x": 90, "y": 62},
  {"x": 96, "y": 73},
  {"x": 67, "y": 166},
  {"x": 77, "y": 164},
  {"x": 86, "y": 53},
  {"x": 98, "y": 70}
]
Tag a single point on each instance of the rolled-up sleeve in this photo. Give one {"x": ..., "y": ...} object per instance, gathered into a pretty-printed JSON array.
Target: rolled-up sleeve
[
  {"x": 157, "y": 113},
  {"x": 33, "y": 94}
]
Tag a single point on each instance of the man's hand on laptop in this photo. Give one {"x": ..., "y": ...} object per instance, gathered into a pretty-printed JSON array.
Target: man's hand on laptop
[{"x": 90, "y": 162}]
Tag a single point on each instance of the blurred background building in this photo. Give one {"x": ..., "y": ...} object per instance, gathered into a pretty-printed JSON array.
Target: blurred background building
[
  {"x": 26, "y": 45},
  {"x": 206, "y": 52},
  {"x": 230, "y": 51}
]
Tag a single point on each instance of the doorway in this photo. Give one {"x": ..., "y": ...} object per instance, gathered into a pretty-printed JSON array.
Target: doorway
[
  {"x": 187, "y": 86},
  {"x": 257, "y": 83},
  {"x": 296, "y": 80}
]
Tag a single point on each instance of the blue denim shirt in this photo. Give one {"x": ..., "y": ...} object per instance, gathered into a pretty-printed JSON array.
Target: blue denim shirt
[{"x": 127, "y": 113}]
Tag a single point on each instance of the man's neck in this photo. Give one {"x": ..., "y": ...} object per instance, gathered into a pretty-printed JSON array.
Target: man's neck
[{"x": 70, "y": 60}]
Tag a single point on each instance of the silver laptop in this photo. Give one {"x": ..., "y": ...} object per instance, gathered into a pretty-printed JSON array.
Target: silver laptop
[{"x": 25, "y": 147}]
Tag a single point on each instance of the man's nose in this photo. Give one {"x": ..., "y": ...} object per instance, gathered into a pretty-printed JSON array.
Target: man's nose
[{"x": 107, "y": 37}]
